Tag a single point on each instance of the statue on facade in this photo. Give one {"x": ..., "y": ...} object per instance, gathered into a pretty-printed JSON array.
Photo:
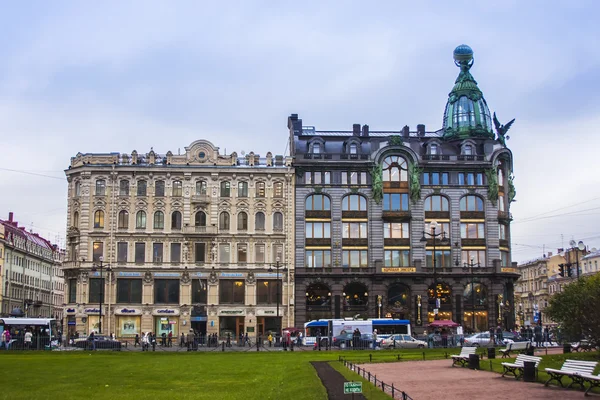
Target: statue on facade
[
  {"x": 415, "y": 182},
  {"x": 377, "y": 183},
  {"x": 492, "y": 178},
  {"x": 501, "y": 130},
  {"x": 512, "y": 192}
]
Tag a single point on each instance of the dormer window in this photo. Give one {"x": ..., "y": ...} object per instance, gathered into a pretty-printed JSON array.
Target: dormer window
[
  {"x": 433, "y": 149},
  {"x": 316, "y": 148},
  {"x": 353, "y": 149},
  {"x": 468, "y": 150}
]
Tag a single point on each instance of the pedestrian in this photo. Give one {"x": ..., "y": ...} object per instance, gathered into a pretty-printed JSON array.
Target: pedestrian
[
  {"x": 444, "y": 338},
  {"x": 153, "y": 340},
  {"x": 190, "y": 340},
  {"x": 136, "y": 340},
  {"x": 228, "y": 339},
  {"x": 92, "y": 341},
  {"x": 247, "y": 340},
  {"x": 538, "y": 335},
  {"x": 499, "y": 335},
  {"x": 28, "y": 336},
  {"x": 182, "y": 340},
  {"x": 163, "y": 339},
  {"x": 492, "y": 337},
  {"x": 299, "y": 337},
  {"x": 270, "y": 339},
  {"x": 374, "y": 338},
  {"x": 170, "y": 339},
  {"x": 3, "y": 340},
  {"x": 547, "y": 336}
]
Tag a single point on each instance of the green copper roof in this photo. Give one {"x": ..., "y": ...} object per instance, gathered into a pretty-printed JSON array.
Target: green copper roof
[{"x": 467, "y": 113}]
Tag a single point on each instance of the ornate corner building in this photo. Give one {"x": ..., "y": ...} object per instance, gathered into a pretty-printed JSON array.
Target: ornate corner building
[
  {"x": 169, "y": 243},
  {"x": 407, "y": 224}
]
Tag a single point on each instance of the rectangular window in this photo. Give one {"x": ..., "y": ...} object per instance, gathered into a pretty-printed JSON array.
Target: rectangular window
[
  {"x": 260, "y": 189},
  {"x": 268, "y": 291},
  {"x": 129, "y": 291},
  {"x": 501, "y": 206},
  {"x": 397, "y": 258},
  {"x": 224, "y": 253},
  {"x": 470, "y": 178},
  {"x": 157, "y": 252},
  {"x": 318, "y": 230},
  {"x": 395, "y": 202},
  {"x": 200, "y": 252},
  {"x": 353, "y": 149},
  {"x": 435, "y": 178},
  {"x": 225, "y": 189},
  {"x": 166, "y": 291},
  {"x": 141, "y": 188},
  {"x": 124, "y": 188},
  {"x": 259, "y": 253},
  {"x": 122, "y": 252},
  {"x": 327, "y": 178},
  {"x": 308, "y": 178},
  {"x": 277, "y": 252},
  {"x": 355, "y": 259},
  {"x": 242, "y": 189},
  {"x": 100, "y": 187},
  {"x": 242, "y": 252},
  {"x": 98, "y": 251},
  {"x": 140, "y": 253},
  {"x": 502, "y": 232},
  {"x": 505, "y": 257},
  {"x": 478, "y": 257},
  {"x": 278, "y": 189},
  {"x": 363, "y": 178},
  {"x": 354, "y": 178},
  {"x": 396, "y": 230},
  {"x": 199, "y": 291},
  {"x": 175, "y": 253},
  {"x": 317, "y": 178},
  {"x": 231, "y": 292},
  {"x": 471, "y": 230},
  {"x": 344, "y": 179},
  {"x": 201, "y": 188},
  {"x": 354, "y": 230},
  {"x": 72, "y": 290},
  {"x": 443, "y": 259},
  {"x": 96, "y": 290},
  {"x": 159, "y": 189},
  {"x": 318, "y": 259},
  {"x": 177, "y": 189}
]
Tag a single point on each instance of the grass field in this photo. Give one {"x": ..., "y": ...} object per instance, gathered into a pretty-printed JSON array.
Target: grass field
[{"x": 129, "y": 375}]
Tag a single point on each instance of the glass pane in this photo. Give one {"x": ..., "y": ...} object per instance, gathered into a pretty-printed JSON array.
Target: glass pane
[
  {"x": 345, "y": 259},
  {"x": 435, "y": 178},
  {"x": 354, "y": 202},
  {"x": 405, "y": 202},
  {"x": 426, "y": 179},
  {"x": 445, "y": 178},
  {"x": 481, "y": 231},
  {"x": 355, "y": 259}
]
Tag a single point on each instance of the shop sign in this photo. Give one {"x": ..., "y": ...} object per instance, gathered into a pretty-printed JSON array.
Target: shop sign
[
  {"x": 396, "y": 270},
  {"x": 232, "y": 312},
  {"x": 129, "y": 274},
  {"x": 201, "y": 274},
  {"x": 128, "y": 311},
  {"x": 265, "y": 312},
  {"x": 167, "y": 321},
  {"x": 94, "y": 273},
  {"x": 508, "y": 270},
  {"x": 167, "y": 274},
  {"x": 71, "y": 311},
  {"x": 163, "y": 311},
  {"x": 92, "y": 311},
  {"x": 266, "y": 275},
  {"x": 232, "y": 275}
]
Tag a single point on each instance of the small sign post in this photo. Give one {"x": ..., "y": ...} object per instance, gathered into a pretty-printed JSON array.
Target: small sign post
[{"x": 352, "y": 387}]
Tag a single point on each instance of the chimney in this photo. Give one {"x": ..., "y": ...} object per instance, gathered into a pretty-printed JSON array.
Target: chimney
[
  {"x": 365, "y": 130},
  {"x": 406, "y": 131},
  {"x": 10, "y": 217},
  {"x": 356, "y": 130},
  {"x": 421, "y": 130}
]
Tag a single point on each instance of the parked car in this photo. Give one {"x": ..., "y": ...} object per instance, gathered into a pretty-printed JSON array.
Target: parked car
[
  {"x": 346, "y": 340},
  {"x": 403, "y": 342},
  {"x": 101, "y": 342},
  {"x": 483, "y": 339}
]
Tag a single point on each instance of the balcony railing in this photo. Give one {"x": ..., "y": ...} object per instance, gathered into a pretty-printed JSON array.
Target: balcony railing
[
  {"x": 336, "y": 156},
  {"x": 335, "y": 270},
  {"x": 200, "y": 230},
  {"x": 200, "y": 198},
  {"x": 446, "y": 157}
]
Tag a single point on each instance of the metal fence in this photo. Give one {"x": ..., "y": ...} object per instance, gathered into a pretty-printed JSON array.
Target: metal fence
[{"x": 392, "y": 390}]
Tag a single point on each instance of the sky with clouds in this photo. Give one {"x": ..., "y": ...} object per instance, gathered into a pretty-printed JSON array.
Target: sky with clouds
[{"x": 118, "y": 76}]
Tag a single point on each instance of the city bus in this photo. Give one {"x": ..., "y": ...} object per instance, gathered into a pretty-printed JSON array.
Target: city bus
[
  {"x": 44, "y": 330},
  {"x": 327, "y": 328}
]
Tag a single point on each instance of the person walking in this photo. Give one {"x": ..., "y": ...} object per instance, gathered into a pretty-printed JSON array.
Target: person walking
[
  {"x": 27, "y": 339},
  {"x": 270, "y": 339},
  {"x": 374, "y": 338},
  {"x": 144, "y": 341},
  {"x": 3, "y": 340},
  {"x": 182, "y": 340},
  {"x": 190, "y": 340},
  {"x": 538, "y": 335},
  {"x": 92, "y": 340},
  {"x": 170, "y": 339},
  {"x": 137, "y": 340},
  {"x": 547, "y": 336},
  {"x": 247, "y": 340}
]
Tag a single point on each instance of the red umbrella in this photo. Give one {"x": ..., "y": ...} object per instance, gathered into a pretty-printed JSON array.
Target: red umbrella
[{"x": 443, "y": 323}]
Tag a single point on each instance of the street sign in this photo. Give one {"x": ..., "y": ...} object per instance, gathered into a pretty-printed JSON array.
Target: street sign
[{"x": 352, "y": 387}]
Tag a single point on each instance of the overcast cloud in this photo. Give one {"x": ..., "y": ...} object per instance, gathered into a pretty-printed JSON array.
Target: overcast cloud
[{"x": 118, "y": 76}]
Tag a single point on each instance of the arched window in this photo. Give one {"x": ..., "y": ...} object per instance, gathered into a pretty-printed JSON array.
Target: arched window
[
  {"x": 259, "y": 221},
  {"x": 141, "y": 188},
  {"x": 77, "y": 188},
  {"x": 398, "y": 295},
  {"x": 225, "y": 189},
  {"x": 500, "y": 177},
  {"x": 471, "y": 203},
  {"x": 177, "y": 189},
  {"x": 99, "y": 219},
  {"x": 443, "y": 292},
  {"x": 200, "y": 219},
  {"x": 76, "y": 219},
  {"x": 318, "y": 202},
  {"x": 436, "y": 203},
  {"x": 176, "y": 220},
  {"x": 468, "y": 150},
  {"x": 395, "y": 169},
  {"x": 278, "y": 189},
  {"x": 242, "y": 189},
  {"x": 201, "y": 187},
  {"x": 355, "y": 294},
  {"x": 124, "y": 188},
  {"x": 318, "y": 294},
  {"x": 140, "y": 220},
  {"x": 354, "y": 202},
  {"x": 242, "y": 221},
  {"x": 100, "y": 187},
  {"x": 159, "y": 220},
  {"x": 123, "y": 222},
  {"x": 224, "y": 221},
  {"x": 277, "y": 221},
  {"x": 480, "y": 295},
  {"x": 316, "y": 148}
]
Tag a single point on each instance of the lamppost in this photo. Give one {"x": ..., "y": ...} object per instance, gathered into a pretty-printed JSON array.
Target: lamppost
[
  {"x": 471, "y": 268},
  {"x": 433, "y": 225},
  {"x": 278, "y": 290},
  {"x": 95, "y": 267},
  {"x": 500, "y": 308}
]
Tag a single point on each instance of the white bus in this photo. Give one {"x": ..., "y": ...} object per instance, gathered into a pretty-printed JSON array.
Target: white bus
[
  {"x": 328, "y": 328},
  {"x": 44, "y": 330}
]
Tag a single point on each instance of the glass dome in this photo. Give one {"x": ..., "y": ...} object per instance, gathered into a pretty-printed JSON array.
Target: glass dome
[{"x": 466, "y": 114}]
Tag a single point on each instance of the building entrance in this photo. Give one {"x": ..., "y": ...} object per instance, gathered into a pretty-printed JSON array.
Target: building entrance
[{"x": 232, "y": 326}]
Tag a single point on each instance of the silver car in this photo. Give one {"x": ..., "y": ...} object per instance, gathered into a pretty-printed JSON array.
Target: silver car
[{"x": 402, "y": 341}]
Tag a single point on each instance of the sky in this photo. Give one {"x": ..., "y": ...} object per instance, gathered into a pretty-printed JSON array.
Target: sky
[{"x": 116, "y": 76}]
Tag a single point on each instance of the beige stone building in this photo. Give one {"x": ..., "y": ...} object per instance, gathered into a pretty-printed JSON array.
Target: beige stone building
[
  {"x": 190, "y": 241},
  {"x": 531, "y": 292}
]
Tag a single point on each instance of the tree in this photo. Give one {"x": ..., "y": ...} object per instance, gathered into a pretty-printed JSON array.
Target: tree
[{"x": 577, "y": 309}]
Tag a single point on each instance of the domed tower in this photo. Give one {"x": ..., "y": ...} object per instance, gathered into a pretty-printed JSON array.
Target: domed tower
[{"x": 467, "y": 113}]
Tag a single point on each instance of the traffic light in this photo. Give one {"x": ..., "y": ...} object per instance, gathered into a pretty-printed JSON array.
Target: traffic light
[
  {"x": 561, "y": 269},
  {"x": 569, "y": 270}
]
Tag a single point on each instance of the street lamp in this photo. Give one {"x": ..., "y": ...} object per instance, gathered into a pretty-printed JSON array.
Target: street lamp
[
  {"x": 95, "y": 267},
  {"x": 433, "y": 225},
  {"x": 471, "y": 268},
  {"x": 278, "y": 290}
]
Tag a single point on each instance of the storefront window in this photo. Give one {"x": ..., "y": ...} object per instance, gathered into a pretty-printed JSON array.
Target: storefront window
[{"x": 128, "y": 326}]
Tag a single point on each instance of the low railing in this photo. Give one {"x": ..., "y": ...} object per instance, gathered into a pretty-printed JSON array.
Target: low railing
[{"x": 392, "y": 390}]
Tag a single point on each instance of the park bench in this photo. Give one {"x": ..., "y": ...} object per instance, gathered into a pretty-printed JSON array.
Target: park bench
[
  {"x": 574, "y": 369},
  {"x": 463, "y": 357},
  {"x": 516, "y": 368},
  {"x": 593, "y": 380},
  {"x": 583, "y": 345},
  {"x": 520, "y": 347}
]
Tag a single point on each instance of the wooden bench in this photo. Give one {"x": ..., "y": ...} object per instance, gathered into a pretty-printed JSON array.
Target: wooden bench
[
  {"x": 520, "y": 347},
  {"x": 584, "y": 345},
  {"x": 572, "y": 369},
  {"x": 593, "y": 380},
  {"x": 463, "y": 357},
  {"x": 516, "y": 368}
]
